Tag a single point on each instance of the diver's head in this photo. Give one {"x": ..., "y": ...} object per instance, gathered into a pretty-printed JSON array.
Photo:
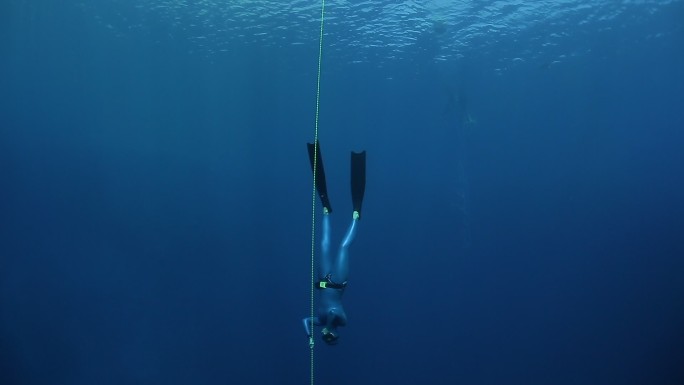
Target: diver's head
[{"x": 330, "y": 337}]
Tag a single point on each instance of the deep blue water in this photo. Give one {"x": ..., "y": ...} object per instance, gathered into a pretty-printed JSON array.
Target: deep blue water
[{"x": 523, "y": 217}]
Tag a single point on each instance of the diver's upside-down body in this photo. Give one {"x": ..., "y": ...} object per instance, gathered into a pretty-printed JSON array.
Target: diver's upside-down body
[{"x": 333, "y": 274}]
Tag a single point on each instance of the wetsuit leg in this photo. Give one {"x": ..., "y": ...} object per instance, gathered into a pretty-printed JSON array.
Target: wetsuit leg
[
  {"x": 326, "y": 262},
  {"x": 324, "y": 268},
  {"x": 342, "y": 268}
]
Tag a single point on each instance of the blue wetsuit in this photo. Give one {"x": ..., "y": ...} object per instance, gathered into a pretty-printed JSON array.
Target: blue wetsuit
[{"x": 333, "y": 274}]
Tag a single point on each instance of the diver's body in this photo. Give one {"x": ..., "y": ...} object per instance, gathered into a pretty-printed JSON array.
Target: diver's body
[{"x": 333, "y": 272}]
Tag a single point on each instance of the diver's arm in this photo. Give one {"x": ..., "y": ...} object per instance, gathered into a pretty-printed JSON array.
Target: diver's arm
[{"x": 308, "y": 324}]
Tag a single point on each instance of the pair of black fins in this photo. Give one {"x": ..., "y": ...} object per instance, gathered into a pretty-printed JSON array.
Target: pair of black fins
[{"x": 358, "y": 176}]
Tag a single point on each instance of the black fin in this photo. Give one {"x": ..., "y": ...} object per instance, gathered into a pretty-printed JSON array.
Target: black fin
[
  {"x": 358, "y": 179},
  {"x": 321, "y": 186}
]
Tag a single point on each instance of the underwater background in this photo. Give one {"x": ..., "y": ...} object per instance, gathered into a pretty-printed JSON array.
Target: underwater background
[{"x": 523, "y": 214}]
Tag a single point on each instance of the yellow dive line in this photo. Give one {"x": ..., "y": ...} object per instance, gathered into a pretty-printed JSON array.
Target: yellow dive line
[{"x": 313, "y": 194}]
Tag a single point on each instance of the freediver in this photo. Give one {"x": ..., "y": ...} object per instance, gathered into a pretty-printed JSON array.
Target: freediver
[{"x": 333, "y": 273}]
